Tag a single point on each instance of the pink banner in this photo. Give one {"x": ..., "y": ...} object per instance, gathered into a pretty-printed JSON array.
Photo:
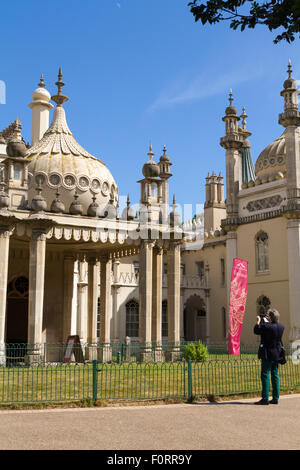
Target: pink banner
[{"x": 237, "y": 304}]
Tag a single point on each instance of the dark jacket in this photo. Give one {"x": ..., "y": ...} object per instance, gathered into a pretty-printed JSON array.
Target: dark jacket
[{"x": 270, "y": 344}]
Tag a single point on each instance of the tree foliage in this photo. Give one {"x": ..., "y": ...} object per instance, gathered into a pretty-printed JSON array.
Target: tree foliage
[{"x": 243, "y": 14}]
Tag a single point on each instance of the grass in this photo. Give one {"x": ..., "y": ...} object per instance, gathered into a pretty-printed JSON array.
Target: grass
[{"x": 130, "y": 382}]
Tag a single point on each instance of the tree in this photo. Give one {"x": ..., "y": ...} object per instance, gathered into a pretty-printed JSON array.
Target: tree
[{"x": 274, "y": 14}]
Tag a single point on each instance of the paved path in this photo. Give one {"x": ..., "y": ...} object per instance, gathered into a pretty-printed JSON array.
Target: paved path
[{"x": 223, "y": 425}]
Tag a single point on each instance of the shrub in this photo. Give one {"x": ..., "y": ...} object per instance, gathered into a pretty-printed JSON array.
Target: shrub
[{"x": 195, "y": 352}]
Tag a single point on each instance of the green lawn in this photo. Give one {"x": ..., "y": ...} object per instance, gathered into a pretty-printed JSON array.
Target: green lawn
[{"x": 134, "y": 381}]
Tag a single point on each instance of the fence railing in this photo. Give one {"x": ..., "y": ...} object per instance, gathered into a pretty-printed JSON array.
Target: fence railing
[{"x": 137, "y": 381}]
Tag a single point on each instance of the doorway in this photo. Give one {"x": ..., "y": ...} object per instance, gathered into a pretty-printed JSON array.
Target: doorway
[{"x": 17, "y": 318}]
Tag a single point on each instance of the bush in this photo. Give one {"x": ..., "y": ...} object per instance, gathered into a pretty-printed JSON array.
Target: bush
[{"x": 195, "y": 352}]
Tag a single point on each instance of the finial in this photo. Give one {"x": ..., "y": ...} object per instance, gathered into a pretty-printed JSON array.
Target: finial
[
  {"x": 59, "y": 98},
  {"x": 174, "y": 201},
  {"x": 42, "y": 83},
  {"x": 244, "y": 116},
  {"x": 289, "y": 70},
  {"x": 165, "y": 150},
  {"x": 128, "y": 201},
  {"x": 230, "y": 97},
  {"x": 150, "y": 153}
]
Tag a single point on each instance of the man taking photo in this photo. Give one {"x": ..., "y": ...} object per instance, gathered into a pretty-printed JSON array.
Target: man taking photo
[{"x": 270, "y": 350}]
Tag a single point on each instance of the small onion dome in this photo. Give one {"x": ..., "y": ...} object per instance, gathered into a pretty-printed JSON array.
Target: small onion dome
[
  {"x": 230, "y": 109},
  {"x": 174, "y": 216},
  {"x": 110, "y": 211},
  {"x": 93, "y": 209},
  {"x": 128, "y": 212},
  {"x": 151, "y": 168},
  {"x": 41, "y": 94},
  {"x": 164, "y": 157},
  {"x": 16, "y": 148},
  {"x": 4, "y": 198},
  {"x": 38, "y": 203},
  {"x": 57, "y": 205},
  {"x": 246, "y": 143},
  {"x": 76, "y": 207},
  {"x": 290, "y": 82}
]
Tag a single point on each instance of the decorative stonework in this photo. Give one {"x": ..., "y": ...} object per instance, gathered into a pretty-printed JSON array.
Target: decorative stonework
[{"x": 266, "y": 203}]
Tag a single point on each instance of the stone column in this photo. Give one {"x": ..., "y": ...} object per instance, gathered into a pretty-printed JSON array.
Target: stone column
[
  {"x": 174, "y": 264},
  {"x": 115, "y": 294},
  {"x": 4, "y": 258},
  {"x": 207, "y": 309},
  {"x": 105, "y": 352},
  {"x": 69, "y": 261},
  {"x": 37, "y": 256},
  {"x": 93, "y": 294},
  {"x": 82, "y": 302},
  {"x": 116, "y": 291},
  {"x": 157, "y": 303},
  {"x": 145, "y": 296},
  {"x": 293, "y": 233}
]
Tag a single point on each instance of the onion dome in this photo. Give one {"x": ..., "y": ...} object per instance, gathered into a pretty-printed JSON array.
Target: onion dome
[
  {"x": 57, "y": 205},
  {"x": 174, "y": 216},
  {"x": 272, "y": 159},
  {"x": 151, "y": 168},
  {"x": 230, "y": 109},
  {"x": 38, "y": 203},
  {"x": 290, "y": 82},
  {"x": 111, "y": 211},
  {"x": 128, "y": 212},
  {"x": 164, "y": 157},
  {"x": 16, "y": 148},
  {"x": 93, "y": 209},
  {"x": 61, "y": 163},
  {"x": 76, "y": 206},
  {"x": 41, "y": 94}
]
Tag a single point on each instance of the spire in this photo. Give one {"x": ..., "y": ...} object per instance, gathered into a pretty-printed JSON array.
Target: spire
[
  {"x": 289, "y": 70},
  {"x": 150, "y": 153},
  {"x": 59, "y": 99},
  {"x": 230, "y": 97},
  {"x": 290, "y": 92},
  {"x": 42, "y": 83},
  {"x": 244, "y": 116}
]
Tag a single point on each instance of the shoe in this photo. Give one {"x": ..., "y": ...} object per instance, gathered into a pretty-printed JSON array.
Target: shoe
[
  {"x": 261, "y": 402},
  {"x": 273, "y": 402}
]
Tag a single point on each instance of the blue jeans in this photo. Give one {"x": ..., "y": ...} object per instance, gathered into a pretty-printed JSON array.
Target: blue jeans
[{"x": 266, "y": 368}]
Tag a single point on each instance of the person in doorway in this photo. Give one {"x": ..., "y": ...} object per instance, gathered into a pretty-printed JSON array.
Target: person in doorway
[{"x": 270, "y": 331}]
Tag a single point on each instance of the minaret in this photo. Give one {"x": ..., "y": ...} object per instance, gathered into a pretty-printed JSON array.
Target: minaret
[
  {"x": 165, "y": 174},
  {"x": 232, "y": 142},
  {"x": 151, "y": 188},
  {"x": 290, "y": 119},
  {"x": 40, "y": 111}
]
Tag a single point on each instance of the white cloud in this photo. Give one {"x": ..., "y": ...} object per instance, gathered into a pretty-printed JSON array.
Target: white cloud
[{"x": 201, "y": 86}]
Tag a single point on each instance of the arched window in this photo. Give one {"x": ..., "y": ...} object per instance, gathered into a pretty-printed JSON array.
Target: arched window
[
  {"x": 164, "y": 319},
  {"x": 18, "y": 288},
  {"x": 132, "y": 318},
  {"x": 262, "y": 252},
  {"x": 263, "y": 305}
]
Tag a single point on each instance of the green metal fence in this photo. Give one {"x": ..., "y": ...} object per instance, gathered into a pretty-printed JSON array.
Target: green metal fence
[{"x": 137, "y": 381}]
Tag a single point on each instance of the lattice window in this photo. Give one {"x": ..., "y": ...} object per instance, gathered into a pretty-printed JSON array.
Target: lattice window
[
  {"x": 262, "y": 252},
  {"x": 132, "y": 318},
  {"x": 164, "y": 319},
  {"x": 18, "y": 288}
]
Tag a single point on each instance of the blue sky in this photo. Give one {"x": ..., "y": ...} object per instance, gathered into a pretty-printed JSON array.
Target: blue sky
[{"x": 141, "y": 70}]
